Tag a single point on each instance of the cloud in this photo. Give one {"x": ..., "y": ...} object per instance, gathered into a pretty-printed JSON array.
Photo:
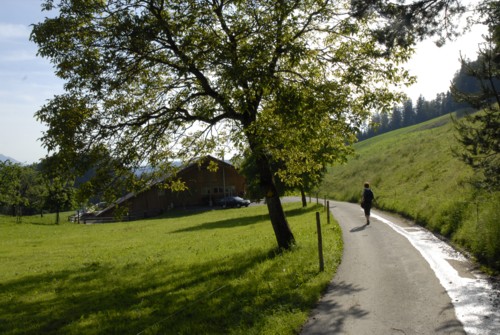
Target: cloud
[{"x": 14, "y": 31}]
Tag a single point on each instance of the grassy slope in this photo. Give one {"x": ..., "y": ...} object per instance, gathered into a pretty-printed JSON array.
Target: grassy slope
[
  {"x": 199, "y": 273},
  {"x": 413, "y": 172}
]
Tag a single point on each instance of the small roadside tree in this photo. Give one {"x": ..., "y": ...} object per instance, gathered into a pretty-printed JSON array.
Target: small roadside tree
[
  {"x": 60, "y": 196},
  {"x": 479, "y": 133},
  {"x": 154, "y": 80}
]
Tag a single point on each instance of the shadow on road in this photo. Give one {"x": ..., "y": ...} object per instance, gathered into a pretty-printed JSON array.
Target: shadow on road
[
  {"x": 335, "y": 312},
  {"x": 358, "y": 229},
  {"x": 450, "y": 326}
]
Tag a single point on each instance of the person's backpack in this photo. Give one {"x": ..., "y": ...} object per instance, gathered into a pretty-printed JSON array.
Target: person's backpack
[{"x": 367, "y": 197}]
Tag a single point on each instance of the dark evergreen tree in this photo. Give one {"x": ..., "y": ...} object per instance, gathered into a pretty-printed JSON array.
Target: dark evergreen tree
[
  {"x": 384, "y": 123},
  {"x": 463, "y": 81},
  {"x": 439, "y": 104},
  {"x": 450, "y": 104},
  {"x": 408, "y": 113},
  {"x": 374, "y": 125},
  {"x": 479, "y": 133},
  {"x": 421, "y": 110},
  {"x": 397, "y": 118}
]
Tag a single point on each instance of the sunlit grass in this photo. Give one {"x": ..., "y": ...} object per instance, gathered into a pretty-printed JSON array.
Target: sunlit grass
[{"x": 215, "y": 272}]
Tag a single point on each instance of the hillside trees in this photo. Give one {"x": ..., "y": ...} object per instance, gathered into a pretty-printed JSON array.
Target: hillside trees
[
  {"x": 29, "y": 190},
  {"x": 11, "y": 188},
  {"x": 424, "y": 110},
  {"x": 21, "y": 189},
  {"x": 148, "y": 81}
]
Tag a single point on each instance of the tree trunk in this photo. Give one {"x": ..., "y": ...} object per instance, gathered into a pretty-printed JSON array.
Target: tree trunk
[
  {"x": 281, "y": 228},
  {"x": 282, "y": 231},
  {"x": 303, "y": 195}
]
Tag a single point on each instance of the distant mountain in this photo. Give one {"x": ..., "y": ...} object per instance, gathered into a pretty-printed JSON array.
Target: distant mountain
[{"x": 4, "y": 158}]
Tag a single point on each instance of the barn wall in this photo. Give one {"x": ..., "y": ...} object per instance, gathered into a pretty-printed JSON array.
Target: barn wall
[{"x": 204, "y": 187}]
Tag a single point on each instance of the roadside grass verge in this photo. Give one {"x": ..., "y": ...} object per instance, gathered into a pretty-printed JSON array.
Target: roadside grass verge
[
  {"x": 215, "y": 272},
  {"x": 414, "y": 173}
]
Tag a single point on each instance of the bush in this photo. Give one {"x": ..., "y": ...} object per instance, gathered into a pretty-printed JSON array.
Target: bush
[
  {"x": 452, "y": 217},
  {"x": 480, "y": 231}
]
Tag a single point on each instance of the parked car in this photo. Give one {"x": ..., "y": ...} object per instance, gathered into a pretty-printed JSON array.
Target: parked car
[{"x": 233, "y": 202}]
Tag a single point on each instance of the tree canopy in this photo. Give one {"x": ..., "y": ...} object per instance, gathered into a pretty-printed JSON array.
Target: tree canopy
[{"x": 148, "y": 81}]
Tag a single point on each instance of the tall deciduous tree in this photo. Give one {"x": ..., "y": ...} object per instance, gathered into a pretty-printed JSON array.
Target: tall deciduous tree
[{"x": 150, "y": 80}]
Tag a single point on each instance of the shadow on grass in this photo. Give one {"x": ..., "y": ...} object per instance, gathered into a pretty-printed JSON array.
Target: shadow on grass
[
  {"x": 208, "y": 298},
  {"x": 229, "y": 223},
  {"x": 37, "y": 223},
  {"x": 244, "y": 221},
  {"x": 303, "y": 210},
  {"x": 31, "y": 220}
]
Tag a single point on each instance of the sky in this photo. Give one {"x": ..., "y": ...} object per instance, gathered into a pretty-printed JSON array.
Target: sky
[{"x": 27, "y": 82}]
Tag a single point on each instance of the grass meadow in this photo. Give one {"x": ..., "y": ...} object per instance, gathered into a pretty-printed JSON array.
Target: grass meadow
[
  {"x": 413, "y": 172},
  {"x": 214, "y": 272}
]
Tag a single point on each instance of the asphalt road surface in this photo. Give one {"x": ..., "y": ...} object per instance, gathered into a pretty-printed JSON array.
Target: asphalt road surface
[{"x": 387, "y": 285}]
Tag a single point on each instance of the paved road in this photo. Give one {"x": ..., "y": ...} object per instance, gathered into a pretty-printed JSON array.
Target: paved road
[{"x": 383, "y": 285}]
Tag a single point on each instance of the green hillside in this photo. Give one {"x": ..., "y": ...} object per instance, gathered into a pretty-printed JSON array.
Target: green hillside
[{"x": 413, "y": 172}]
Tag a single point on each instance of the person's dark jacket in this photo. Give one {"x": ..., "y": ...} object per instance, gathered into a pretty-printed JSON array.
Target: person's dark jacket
[{"x": 367, "y": 197}]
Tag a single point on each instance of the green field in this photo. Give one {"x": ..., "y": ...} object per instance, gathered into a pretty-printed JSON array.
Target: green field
[
  {"x": 414, "y": 173},
  {"x": 215, "y": 272}
]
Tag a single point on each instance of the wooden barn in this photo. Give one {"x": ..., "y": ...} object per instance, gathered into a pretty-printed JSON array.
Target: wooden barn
[{"x": 204, "y": 188}]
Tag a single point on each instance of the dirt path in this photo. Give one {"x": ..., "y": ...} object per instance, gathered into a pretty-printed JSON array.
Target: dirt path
[{"x": 388, "y": 284}]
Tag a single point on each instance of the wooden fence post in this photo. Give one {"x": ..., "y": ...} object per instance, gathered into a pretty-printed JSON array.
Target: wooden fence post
[
  {"x": 320, "y": 243},
  {"x": 328, "y": 212}
]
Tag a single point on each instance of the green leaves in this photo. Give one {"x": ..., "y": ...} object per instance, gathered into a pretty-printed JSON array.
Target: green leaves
[
  {"x": 149, "y": 81},
  {"x": 21, "y": 187},
  {"x": 148, "y": 65}
]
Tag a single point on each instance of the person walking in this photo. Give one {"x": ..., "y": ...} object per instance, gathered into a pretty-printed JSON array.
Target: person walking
[{"x": 366, "y": 201}]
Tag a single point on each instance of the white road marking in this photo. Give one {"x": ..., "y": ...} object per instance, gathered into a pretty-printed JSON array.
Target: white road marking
[{"x": 471, "y": 297}]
